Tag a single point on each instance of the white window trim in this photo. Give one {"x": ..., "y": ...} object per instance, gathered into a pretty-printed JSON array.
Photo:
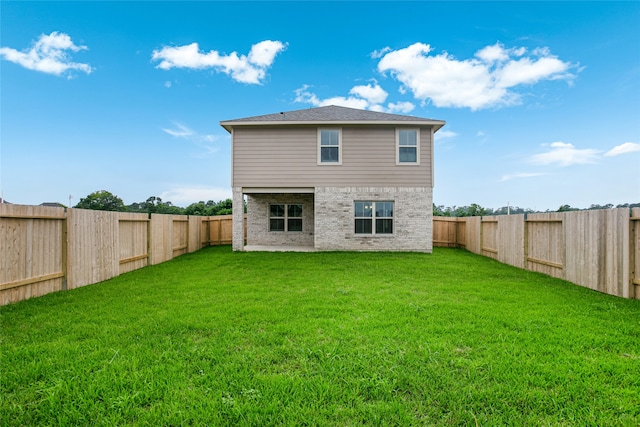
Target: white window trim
[
  {"x": 339, "y": 162},
  {"x": 398, "y": 162},
  {"x": 286, "y": 218},
  {"x": 373, "y": 218}
]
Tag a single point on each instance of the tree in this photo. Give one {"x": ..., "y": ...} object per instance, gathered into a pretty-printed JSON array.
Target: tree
[
  {"x": 223, "y": 207},
  {"x": 101, "y": 201},
  {"x": 155, "y": 204},
  {"x": 440, "y": 210},
  {"x": 566, "y": 208},
  {"x": 199, "y": 209},
  {"x": 477, "y": 210},
  {"x": 210, "y": 208},
  {"x": 512, "y": 210},
  {"x": 597, "y": 207}
]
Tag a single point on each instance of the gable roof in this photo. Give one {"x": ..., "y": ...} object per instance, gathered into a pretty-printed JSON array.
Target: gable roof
[{"x": 330, "y": 115}]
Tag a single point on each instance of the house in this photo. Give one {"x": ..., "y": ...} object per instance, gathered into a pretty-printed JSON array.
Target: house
[{"x": 333, "y": 178}]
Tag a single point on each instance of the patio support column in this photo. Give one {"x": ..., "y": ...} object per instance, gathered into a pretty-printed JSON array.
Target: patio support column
[{"x": 238, "y": 219}]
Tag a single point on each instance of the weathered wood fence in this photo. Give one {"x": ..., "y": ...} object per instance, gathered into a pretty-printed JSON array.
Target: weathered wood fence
[
  {"x": 45, "y": 249},
  {"x": 597, "y": 249}
]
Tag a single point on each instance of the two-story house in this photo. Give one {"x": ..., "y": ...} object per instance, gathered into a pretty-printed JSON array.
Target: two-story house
[{"x": 333, "y": 178}]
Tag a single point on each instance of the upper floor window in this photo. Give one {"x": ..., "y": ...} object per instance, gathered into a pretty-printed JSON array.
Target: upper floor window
[
  {"x": 408, "y": 146},
  {"x": 330, "y": 146}
]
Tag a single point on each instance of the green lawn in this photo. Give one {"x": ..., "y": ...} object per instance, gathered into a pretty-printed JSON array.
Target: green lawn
[{"x": 335, "y": 339}]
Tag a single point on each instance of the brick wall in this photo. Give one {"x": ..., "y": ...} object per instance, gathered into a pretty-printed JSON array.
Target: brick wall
[
  {"x": 238, "y": 219},
  {"x": 412, "y": 222},
  {"x": 258, "y": 220}
]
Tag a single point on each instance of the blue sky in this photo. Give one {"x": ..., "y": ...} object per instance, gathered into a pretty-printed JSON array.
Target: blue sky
[{"x": 541, "y": 100}]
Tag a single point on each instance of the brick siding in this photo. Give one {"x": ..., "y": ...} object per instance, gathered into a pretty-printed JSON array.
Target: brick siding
[
  {"x": 412, "y": 222},
  {"x": 258, "y": 220}
]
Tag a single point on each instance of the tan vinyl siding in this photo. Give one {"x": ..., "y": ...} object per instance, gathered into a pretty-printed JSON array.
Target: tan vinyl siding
[{"x": 286, "y": 157}]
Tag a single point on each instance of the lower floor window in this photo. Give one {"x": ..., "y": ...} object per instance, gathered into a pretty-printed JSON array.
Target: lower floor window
[
  {"x": 373, "y": 217},
  {"x": 284, "y": 217}
]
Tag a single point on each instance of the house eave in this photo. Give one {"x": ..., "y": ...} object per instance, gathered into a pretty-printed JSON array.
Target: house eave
[
  {"x": 278, "y": 190},
  {"x": 437, "y": 124}
]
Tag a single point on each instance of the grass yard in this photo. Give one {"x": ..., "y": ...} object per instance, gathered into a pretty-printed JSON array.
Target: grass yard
[{"x": 335, "y": 339}]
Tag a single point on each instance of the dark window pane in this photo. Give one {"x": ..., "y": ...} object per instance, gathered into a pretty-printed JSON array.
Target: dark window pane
[
  {"x": 407, "y": 137},
  {"x": 276, "y": 210},
  {"x": 276, "y": 224},
  {"x": 364, "y": 209},
  {"x": 363, "y": 226},
  {"x": 329, "y": 154},
  {"x": 294, "y": 224},
  {"x": 408, "y": 154},
  {"x": 294, "y": 211},
  {"x": 329, "y": 137},
  {"x": 384, "y": 226},
  {"x": 384, "y": 209}
]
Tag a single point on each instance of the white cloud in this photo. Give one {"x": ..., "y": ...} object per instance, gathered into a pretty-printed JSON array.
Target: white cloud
[
  {"x": 250, "y": 69},
  {"x": 180, "y": 131},
  {"x": 167, "y": 84},
  {"x": 566, "y": 154},
  {"x": 351, "y": 102},
  {"x": 373, "y": 94},
  {"x": 485, "y": 81},
  {"x": 303, "y": 95},
  {"x": 263, "y": 54},
  {"x": 627, "y": 147},
  {"x": 183, "y": 196},
  {"x": 445, "y": 134},
  {"x": 207, "y": 143},
  {"x": 495, "y": 53},
  {"x": 521, "y": 175},
  {"x": 380, "y": 53},
  {"x": 49, "y": 54},
  {"x": 400, "y": 107},
  {"x": 527, "y": 71},
  {"x": 369, "y": 97}
]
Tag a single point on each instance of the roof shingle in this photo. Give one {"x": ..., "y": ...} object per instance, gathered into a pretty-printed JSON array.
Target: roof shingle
[{"x": 330, "y": 113}]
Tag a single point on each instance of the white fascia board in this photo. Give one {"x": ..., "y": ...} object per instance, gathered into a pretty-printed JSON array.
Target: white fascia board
[{"x": 437, "y": 124}]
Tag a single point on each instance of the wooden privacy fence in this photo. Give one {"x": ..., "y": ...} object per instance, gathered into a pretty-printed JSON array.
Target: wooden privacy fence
[
  {"x": 597, "y": 249},
  {"x": 45, "y": 249}
]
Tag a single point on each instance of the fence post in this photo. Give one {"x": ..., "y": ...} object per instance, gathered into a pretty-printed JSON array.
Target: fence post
[
  {"x": 455, "y": 237},
  {"x": 481, "y": 236},
  {"x": 64, "y": 248},
  {"x": 208, "y": 229},
  {"x": 149, "y": 239},
  {"x": 634, "y": 254},
  {"x": 525, "y": 240}
]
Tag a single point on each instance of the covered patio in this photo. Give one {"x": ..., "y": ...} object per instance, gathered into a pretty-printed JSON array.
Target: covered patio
[{"x": 278, "y": 219}]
